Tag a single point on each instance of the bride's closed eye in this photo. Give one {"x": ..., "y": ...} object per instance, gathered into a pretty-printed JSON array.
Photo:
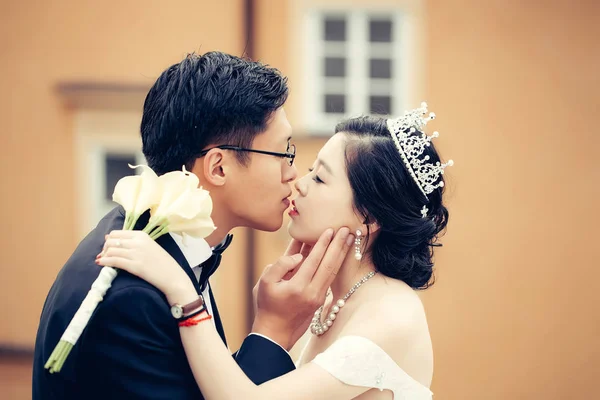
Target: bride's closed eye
[{"x": 316, "y": 177}]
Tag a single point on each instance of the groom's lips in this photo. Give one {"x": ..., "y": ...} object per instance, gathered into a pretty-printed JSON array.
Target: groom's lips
[{"x": 286, "y": 200}]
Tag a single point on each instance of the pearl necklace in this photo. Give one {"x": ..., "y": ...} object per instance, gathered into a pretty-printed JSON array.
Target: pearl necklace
[{"x": 317, "y": 327}]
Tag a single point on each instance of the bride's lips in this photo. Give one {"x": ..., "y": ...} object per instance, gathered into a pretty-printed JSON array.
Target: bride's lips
[{"x": 294, "y": 211}]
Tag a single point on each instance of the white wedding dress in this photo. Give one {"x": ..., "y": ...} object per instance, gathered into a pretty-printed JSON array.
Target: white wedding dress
[{"x": 357, "y": 361}]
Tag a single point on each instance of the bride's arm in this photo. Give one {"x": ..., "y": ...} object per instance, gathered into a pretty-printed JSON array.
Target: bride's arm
[
  {"x": 214, "y": 369},
  {"x": 219, "y": 377}
]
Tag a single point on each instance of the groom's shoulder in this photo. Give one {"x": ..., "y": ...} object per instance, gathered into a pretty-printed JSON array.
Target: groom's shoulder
[
  {"x": 80, "y": 270},
  {"x": 131, "y": 308},
  {"x": 93, "y": 242},
  {"x": 131, "y": 288}
]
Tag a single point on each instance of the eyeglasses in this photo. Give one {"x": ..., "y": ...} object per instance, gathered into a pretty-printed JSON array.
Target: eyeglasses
[{"x": 290, "y": 154}]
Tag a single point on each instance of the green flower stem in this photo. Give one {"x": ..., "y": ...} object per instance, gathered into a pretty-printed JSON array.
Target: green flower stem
[
  {"x": 130, "y": 221},
  {"x": 63, "y": 348},
  {"x": 62, "y": 356},
  {"x": 58, "y": 357},
  {"x": 161, "y": 230},
  {"x": 153, "y": 223}
]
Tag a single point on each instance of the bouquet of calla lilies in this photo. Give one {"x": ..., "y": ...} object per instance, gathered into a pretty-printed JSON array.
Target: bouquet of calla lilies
[{"x": 176, "y": 204}]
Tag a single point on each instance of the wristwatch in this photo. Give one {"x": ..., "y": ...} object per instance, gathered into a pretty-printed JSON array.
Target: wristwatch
[{"x": 180, "y": 312}]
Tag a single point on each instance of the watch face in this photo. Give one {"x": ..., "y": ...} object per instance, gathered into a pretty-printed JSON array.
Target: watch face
[{"x": 177, "y": 311}]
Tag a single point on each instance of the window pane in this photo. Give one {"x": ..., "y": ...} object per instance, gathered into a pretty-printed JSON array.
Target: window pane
[
  {"x": 381, "y": 68},
  {"x": 380, "y": 30},
  {"x": 335, "y": 66},
  {"x": 381, "y": 105},
  {"x": 335, "y": 29},
  {"x": 115, "y": 167},
  {"x": 335, "y": 103}
]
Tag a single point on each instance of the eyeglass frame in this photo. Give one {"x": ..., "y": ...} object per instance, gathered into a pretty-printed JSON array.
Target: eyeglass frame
[{"x": 290, "y": 155}]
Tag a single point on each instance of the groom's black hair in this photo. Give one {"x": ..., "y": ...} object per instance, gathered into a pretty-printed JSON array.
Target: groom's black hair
[{"x": 208, "y": 99}]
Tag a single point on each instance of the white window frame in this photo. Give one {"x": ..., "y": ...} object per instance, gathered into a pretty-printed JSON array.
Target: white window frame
[
  {"x": 98, "y": 133},
  {"x": 357, "y": 90}
]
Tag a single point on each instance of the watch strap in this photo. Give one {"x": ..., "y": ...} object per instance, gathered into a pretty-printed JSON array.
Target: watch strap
[{"x": 193, "y": 306}]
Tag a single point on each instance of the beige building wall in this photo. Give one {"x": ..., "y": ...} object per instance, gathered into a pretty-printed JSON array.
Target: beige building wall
[
  {"x": 48, "y": 43},
  {"x": 515, "y": 88}
]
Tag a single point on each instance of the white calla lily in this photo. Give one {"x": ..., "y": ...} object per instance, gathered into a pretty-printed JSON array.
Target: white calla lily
[
  {"x": 175, "y": 185},
  {"x": 184, "y": 207},
  {"x": 126, "y": 191},
  {"x": 176, "y": 204},
  {"x": 150, "y": 190},
  {"x": 191, "y": 204},
  {"x": 137, "y": 193},
  {"x": 199, "y": 225}
]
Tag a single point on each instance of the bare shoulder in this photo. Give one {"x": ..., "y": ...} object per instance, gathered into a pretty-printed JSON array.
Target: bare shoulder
[
  {"x": 392, "y": 304},
  {"x": 392, "y": 315}
]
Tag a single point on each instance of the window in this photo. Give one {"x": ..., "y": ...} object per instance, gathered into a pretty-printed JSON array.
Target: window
[
  {"x": 335, "y": 29},
  {"x": 116, "y": 166},
  {"x": 111, "y": 165},
  {"x": 354, "y": 65},
  {"x": 106, "y": 142},
  {"x": 380, "y": 105}
]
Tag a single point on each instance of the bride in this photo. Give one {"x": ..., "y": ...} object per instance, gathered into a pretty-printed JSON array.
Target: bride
[{"x": 383, "y": 179}]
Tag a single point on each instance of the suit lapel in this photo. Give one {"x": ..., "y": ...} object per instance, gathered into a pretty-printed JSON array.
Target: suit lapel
[
  {"x": 167, "y": 243},
  {"x": 216, "y": 316}
]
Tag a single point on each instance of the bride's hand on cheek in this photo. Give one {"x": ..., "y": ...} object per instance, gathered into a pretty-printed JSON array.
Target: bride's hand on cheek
[{"x": 136, "y": 253}]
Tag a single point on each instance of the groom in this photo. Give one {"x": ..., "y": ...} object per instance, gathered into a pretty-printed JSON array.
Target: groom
[{"x": 221, "y": 117}]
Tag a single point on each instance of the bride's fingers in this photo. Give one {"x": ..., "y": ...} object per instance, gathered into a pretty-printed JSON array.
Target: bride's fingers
[
  {"x": 117, "y": 252},
  {"x": 115, "y": 243},
  {"x": 117, "y": 262},
  {"x": 119, "y": 243},
  {"x": 120, "y": 234}
]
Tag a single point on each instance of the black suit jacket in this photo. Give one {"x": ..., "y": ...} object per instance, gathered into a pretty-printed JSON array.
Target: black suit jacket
[{"x": 131, "y": 348}]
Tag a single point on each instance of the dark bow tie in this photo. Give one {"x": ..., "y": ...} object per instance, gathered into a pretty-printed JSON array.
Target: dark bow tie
[{"x": 210, "y": 266}]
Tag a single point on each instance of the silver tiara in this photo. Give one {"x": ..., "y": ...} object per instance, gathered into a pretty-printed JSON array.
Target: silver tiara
[{"x": 411, "y": 146}]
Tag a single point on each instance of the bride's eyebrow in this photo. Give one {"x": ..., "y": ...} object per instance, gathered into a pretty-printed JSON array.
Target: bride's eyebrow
[{"x": 324, "y": 164}]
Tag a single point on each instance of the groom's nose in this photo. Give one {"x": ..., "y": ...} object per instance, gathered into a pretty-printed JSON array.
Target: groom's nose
[{"x": 290, "y": 173}]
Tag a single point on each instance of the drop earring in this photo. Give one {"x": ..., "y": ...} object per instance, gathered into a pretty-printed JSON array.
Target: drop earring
[{"x": 357, "y": 241}]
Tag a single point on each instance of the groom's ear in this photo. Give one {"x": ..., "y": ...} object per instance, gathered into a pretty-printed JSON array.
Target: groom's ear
[{"x": 214, "y": 167}]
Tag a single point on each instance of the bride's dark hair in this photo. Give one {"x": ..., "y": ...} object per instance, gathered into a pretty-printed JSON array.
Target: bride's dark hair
[{"x": 385, "y": 193}]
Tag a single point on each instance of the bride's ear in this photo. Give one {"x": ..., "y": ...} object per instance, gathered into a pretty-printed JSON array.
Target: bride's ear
[{"x": 373, "y": 227}]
